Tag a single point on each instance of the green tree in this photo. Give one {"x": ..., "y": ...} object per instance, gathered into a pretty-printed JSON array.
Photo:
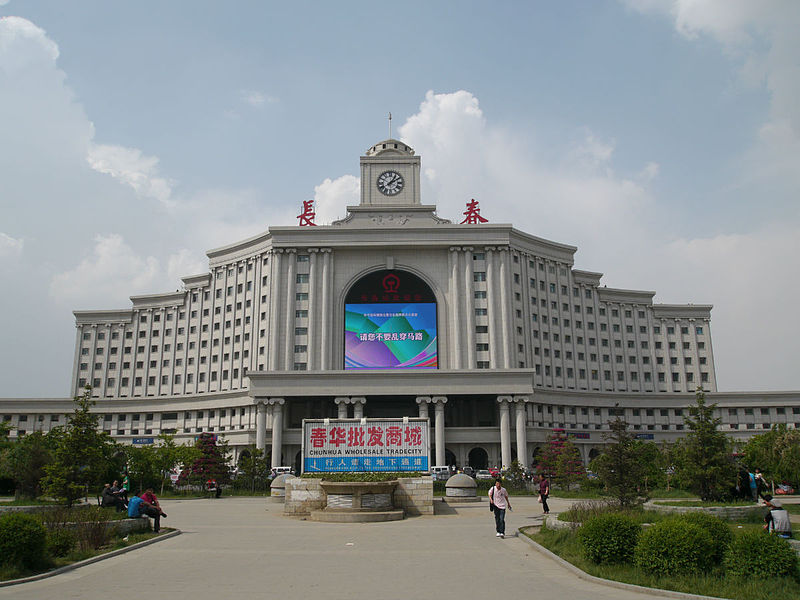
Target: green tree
[
  {"x": 776, "y": 453},
  {"x": 82, "y": 454},
  {"x": 621, "y": 466},
  {"x": 704, "y": 458},
  {"x": 168, "y": 455},
  {"x": 24, "y": 462},
  {"x": 569, "y": 465},
  {"x": 253, "y": 466}
]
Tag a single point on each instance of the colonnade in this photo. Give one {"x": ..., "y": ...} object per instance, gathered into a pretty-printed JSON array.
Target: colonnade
[{"x": 271, "y": 409}]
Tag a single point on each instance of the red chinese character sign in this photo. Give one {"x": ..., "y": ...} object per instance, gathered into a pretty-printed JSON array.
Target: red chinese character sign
[
  {"x": 473, "y": 214},
  {"x": 353, "y": 445},
  {"x": 308, "y": 215}
]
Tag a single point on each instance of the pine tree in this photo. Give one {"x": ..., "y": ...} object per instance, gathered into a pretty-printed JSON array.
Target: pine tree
[
  {"x": 705, "y": 456},
  {"x": 621, "y": 467},
  {"x": 81, "y": 454}
]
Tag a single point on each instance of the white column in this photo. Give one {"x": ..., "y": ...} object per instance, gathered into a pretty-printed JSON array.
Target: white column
[
  {"x": 506, "y": 335},
  {"x": 313, "y": 337},
  {"x": 493, "y": 302},
  {"x": 276, "y": 257},
  {"x": 468, "y": 290},
  {"x": 261, "y": 425},
  {"x": 291, "y": 288},
  {"x": 342, "y": 404},
  {"x": 505, "y": 431},
  {"x": 454, "y": 321},
  {"x": 438, "y": 406},
  {"x": 326, "y": 325},
  {"x": 423, "y": 402},
  {"x": 277, "y": 430},
  {"x": 522, "y": 433},
  {"x": 358, "y": 408}
]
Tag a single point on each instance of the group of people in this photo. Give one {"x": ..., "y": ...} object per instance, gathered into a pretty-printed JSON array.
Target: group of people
[
  {"x": 115, "y": 495},
  {"x": 145, "y": 504},
  {"x": 499, "y": 502}
]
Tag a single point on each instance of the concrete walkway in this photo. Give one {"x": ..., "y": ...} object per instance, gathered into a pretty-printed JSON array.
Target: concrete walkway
[{"x": 246, "y": 548}]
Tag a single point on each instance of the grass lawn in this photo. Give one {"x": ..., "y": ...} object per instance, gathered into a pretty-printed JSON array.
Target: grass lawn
[{"x": 565, "y": 544}]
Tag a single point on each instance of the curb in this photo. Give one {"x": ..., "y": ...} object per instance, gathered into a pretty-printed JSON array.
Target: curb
[
  {"x": 609, "y": 582},
  {"x": 89, "y": 561}
]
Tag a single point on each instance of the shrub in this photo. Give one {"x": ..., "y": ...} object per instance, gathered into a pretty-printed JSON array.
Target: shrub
[
  {"x": 674, "y": 546},
  {"x": 61, "y": 542},
  {"x": 756, "y": 554},
  {"x": 609, "y": 538},
  {"x": 22, "y": 540},
  {"x": 721, "y": 534}
]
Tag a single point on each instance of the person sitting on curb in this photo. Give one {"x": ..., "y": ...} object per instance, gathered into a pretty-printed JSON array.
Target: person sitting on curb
[
  {"x": 138, "y": 506},
  {"x": 777, "y": 519}
]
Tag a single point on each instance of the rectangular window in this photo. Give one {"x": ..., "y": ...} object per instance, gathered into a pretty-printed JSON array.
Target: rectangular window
[{"x": 479, "y": 276}]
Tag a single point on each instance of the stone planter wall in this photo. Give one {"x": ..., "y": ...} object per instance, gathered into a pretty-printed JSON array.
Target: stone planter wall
[
  {"x": 303, "y": 496},
  {"x": 730, "y": 513},
  {"x": 414, "y": 495}
]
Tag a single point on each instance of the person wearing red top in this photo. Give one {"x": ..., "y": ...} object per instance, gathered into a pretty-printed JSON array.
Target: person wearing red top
[
  {"x": 151, "y": 499},
  {"x": 544, "y": 492}
]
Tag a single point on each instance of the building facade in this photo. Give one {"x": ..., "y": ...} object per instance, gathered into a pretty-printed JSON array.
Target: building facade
[{"x": 394, "y": 311}]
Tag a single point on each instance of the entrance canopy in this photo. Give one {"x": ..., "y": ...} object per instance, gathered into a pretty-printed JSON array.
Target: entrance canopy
[{"x": 283, "y": 384}]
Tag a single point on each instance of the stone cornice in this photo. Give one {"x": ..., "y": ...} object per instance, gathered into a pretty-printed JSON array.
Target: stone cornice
[
  {"x": 629, "y": 296},
  {"x": 159, "y": 300},
  {"x": 586, "y": 277},
  {"x": 93, "y": 317},
  {"x": 683, "y": 311}
]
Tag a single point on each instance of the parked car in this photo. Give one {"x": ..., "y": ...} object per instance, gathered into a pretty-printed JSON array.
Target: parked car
[
  {"x": 483, "y": 474},
  {"x": 468, "y": 471},
  {"x": 440, "y": 473}
]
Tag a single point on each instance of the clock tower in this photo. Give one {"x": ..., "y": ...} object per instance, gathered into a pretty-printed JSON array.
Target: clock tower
[{"x": 390, "y": 175}]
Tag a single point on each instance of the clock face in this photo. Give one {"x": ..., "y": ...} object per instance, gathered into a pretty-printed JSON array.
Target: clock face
[{"x": 390, "y": 183}]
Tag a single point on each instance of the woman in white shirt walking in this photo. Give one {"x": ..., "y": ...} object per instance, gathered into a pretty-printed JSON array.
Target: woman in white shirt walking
[{"x": 498, "y": 498}]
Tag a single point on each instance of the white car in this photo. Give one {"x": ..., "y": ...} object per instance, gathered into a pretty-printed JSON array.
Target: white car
[{"x": 483, "y": 474}]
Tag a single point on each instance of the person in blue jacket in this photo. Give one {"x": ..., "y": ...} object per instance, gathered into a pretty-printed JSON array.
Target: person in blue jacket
[{"x": 138, "y": 507}]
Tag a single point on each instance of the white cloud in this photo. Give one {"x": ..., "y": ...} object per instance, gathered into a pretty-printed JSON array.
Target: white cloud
[
  {"x": 112, "y": 272},
  {"x": 755, "y": 327},
  {"x": 4, "y": 2},
  {"x": 762, "y": 37},
  {"x": 131, "y": 167},
  {"x": 332, "y": 196},
  {"x": 572, "y": 194},
  {"x": 256, "y": 99},
  {"x": 23, "y": 44},
  {"x": 9, "y": 246}
]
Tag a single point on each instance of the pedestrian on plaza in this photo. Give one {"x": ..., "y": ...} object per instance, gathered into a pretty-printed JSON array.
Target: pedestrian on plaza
[
  {"x": 753, "y": 485},
  {"x": 544, "y": 493},
  {"x": 498, "y": 503}
]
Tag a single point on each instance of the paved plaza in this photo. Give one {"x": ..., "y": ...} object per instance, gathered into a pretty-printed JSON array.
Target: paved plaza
[{"x": 246, "y": 548}]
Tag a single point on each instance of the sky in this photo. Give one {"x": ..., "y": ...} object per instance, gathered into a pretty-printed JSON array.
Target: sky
[{"x": 660, "y": 137}]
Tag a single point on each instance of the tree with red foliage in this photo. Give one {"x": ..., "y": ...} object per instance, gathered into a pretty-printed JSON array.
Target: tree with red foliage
[{"x": 211, "y": 464}]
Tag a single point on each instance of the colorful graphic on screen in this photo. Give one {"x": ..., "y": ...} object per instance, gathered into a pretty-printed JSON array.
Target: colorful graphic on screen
[{"x": 390, "y": 336}]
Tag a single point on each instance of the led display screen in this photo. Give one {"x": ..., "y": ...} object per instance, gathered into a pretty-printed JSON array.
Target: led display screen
[{"x": 390, "y": 335}]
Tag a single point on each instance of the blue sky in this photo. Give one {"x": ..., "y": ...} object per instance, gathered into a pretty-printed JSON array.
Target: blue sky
[{"x": 661, "y": 137}]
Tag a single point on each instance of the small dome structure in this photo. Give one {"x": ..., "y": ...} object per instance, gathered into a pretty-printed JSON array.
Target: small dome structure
[
  {"x": 277, "y": 489},
  {"x": 389, "y": 147},
  {"x": 461, "y": 485}
]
